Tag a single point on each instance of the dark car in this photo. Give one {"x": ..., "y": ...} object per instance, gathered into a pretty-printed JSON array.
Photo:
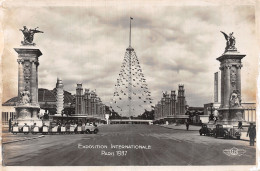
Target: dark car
[
  {"x": 207, "y": 129},
  {"x": 204, "y": 130},
  {"x": 227, "y": 131}
]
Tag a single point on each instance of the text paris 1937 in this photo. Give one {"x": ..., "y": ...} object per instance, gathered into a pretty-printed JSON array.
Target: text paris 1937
[{"x": 113, "y": 153}]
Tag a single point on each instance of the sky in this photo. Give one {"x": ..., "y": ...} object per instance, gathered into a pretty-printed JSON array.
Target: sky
[{"x": 174, "y": 44}]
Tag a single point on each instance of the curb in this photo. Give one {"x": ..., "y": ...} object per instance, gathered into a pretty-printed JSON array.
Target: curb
[
  {"x": 176, "y": 129},
  {"x": 24, "y": 139},
  {"x": 195, "y": 130}
]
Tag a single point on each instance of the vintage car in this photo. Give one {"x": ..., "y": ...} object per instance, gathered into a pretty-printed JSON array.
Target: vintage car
[
  {"x": 79, "y": 130},
  {"x": 35, "y": 130},
  {"x": 63, "y": 130},
  {"x": 227, "y": 131},
  {"x": 204, "y": 130},
  {"x": 91, "y": 128},
  {"x": 45, "y": 129},
  {"x": 54, "y": 130},
  {"x": 207, "y": 129},
  {"x": 15, "y": 129}
]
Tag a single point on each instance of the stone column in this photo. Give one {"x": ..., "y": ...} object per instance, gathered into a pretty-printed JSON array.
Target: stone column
[
  {"x": 20, "y": 77},
  {"x": 27, "y": 79},
  {"x": 227, "y": 86},
  {"x": 222, "y": 86},
  {"x": 33, "y": 82},
  {"x": 248, "y": 113},
  {"x": 37, "y": 64},
  {"x": 34, "y": 90},
  {"x": 238, "y": 83}
]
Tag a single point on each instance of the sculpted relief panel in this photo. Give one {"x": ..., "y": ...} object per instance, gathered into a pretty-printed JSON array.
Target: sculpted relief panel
[{"x": 233, "y": 76}]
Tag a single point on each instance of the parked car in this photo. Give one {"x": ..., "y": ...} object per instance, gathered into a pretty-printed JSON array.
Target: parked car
[
  {"x": 91, "y": 128},
  {"x": 207, "y": 129},
  {"x": 15, "y": 129},
  {"x": 204, "y": 130},
  {"x": 227, "y": 131},
  {"x": 35, "y": 130}
]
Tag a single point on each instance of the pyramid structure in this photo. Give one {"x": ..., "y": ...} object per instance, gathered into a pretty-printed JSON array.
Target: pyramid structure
[{"x": 131, "y": 94}]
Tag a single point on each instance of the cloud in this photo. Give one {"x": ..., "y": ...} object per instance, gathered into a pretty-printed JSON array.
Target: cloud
[{"x": 174, "y": 44}]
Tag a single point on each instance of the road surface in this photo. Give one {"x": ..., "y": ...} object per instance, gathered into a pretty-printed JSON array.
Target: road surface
[{"x": 149, "y": 145}]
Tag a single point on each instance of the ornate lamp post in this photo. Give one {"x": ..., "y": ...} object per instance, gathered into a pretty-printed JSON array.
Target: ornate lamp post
[{"x": 211, "y": 116}]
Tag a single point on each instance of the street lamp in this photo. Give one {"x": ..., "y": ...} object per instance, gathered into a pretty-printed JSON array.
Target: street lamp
[{"x": 211, "y": 116}]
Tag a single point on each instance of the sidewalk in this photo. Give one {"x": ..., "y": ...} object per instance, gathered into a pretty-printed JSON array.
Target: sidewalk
[
  {"x": 11, "y": 138},
  {"x": 182, "y": 127},
  {"x": 197, "y": 128}
]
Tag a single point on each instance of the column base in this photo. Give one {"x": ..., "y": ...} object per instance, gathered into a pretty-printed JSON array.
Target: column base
[
  {"x": 231, "y": 116},
  {"x": 28, "y": 114}
]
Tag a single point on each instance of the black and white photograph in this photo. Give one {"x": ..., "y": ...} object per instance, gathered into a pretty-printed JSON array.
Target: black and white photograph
[{"x": 133, "y": 85}]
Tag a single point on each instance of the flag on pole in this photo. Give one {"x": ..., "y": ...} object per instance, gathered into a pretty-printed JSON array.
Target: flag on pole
[{"x": 131, "y": 18}]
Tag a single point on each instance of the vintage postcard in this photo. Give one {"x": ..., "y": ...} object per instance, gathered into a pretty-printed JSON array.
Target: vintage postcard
[{"x": 129, "y": 85}]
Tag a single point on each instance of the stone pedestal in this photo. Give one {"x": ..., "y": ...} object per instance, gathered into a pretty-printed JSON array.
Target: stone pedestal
[
  {"x": 27, "y": 107},
  {"x": 231, "y": 116},
  {"x": 230, "y": 110}
]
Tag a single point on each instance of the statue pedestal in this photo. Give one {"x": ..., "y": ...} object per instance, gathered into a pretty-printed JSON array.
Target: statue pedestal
[
  {"x": 230, "y": 110},
  {"x": 28, "y": 107},
  {"x": 28, "y": 114},
  {"x": 231, "y": 116}
]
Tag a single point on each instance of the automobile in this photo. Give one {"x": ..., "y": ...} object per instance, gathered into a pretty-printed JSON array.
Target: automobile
[
  {"x": 45, "y": 129},
  {"x": 54, "y": 130},
  {"x": 207, "y": 129},
  {"x": 227, "y": 131},
  {"x": 79, "y": 130},
  {"x": 35, "y": 130},
  {"x": 72, "y": 129},
  {"x": 204, "y": 130},
  {"x": 15, "y": 129},
  {"x": 63, "y": 129},
  {"x": 91, "y": 128},
  {"x": 25, "y": 129},
  {"x": 211, "y": 128}
]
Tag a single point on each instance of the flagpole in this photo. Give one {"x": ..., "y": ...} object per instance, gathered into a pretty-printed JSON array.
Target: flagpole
[{"x": 130, "y": 33}]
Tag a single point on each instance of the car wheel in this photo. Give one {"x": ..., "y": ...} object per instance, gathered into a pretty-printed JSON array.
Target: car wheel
[
  {"x": 238, "y": 138},
  {"x": 95, "y": 131},
  {"x": 200, "y": 133}
]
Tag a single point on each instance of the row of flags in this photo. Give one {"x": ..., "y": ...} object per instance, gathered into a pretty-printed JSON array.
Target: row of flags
[{"x": 131, "y": 87}]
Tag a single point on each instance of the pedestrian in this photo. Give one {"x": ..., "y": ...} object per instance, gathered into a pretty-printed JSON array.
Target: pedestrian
[
  {"x": 187, "y": 125},
  {"x": 240, "y": 125},
  {"x": 10, "y": 124},
  {"x": 252, "y": 133}
]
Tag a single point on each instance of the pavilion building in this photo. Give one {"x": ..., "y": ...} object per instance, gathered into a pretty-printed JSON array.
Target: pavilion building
[{"x": 171, "y": 107}]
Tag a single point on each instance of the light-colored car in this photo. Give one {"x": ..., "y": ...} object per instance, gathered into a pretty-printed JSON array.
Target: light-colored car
[{"x": 91, "y": 128}]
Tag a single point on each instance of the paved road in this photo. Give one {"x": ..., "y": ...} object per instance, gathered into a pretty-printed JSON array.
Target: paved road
[{"x": 165, "y": 147}]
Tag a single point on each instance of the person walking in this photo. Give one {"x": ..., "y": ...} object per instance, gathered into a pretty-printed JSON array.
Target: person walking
[
  {"x": 10, "y": 124},
  {"x": 252, "y": 133},
  {"x": 240, "y": 125},
  {"x": 187, "y": 125}
]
